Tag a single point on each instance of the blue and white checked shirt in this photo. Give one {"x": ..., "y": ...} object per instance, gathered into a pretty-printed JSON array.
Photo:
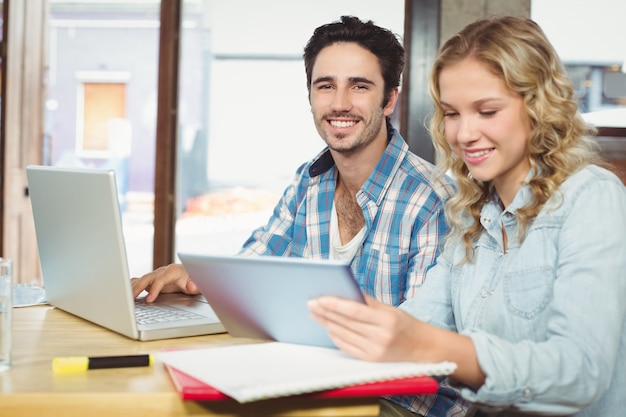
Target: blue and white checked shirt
[{"x": 403, "y": 209}]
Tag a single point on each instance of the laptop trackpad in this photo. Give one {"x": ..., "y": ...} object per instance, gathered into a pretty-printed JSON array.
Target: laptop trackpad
[{"x": 191, "y": 303}]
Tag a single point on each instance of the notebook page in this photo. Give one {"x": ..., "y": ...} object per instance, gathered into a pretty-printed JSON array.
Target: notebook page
[{"x": 258, "y": 371}]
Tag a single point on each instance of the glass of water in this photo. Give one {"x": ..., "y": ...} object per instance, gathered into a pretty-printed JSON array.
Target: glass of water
[{"x": 6, "y": 306}]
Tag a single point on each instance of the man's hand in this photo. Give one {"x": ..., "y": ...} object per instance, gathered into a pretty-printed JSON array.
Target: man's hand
[{"x": 166, "y": 279}]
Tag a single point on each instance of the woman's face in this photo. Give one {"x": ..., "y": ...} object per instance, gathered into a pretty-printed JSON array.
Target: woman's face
[{"x": 486, "y": 124}]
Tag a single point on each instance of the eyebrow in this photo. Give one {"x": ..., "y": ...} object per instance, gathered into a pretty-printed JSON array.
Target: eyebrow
[
  {"x": 478, "y": 102},
  {"x": 353, "y": 80}
]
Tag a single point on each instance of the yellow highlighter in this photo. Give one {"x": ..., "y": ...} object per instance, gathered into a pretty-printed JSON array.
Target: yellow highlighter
[{"x": 72, "y": 364}]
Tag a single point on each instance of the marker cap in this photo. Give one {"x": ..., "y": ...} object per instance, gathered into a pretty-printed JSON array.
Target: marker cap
[{"x": 70, "y": 364}]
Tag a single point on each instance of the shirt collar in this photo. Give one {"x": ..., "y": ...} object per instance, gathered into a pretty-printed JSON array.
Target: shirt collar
[
  {"x": 523, "y": 195},
  {"x": 521, "y": 199},
  {"x": 376, "y": 183},
  {"x": 324, "y": 161}
]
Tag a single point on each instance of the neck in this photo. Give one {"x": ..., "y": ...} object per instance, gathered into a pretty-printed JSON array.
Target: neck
[
  {"x": 354, "y": 168},
  {"x": 347, "y": 187}
]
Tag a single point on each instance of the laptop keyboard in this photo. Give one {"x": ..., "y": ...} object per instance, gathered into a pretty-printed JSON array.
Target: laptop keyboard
[{"x": 151, "y": 313}]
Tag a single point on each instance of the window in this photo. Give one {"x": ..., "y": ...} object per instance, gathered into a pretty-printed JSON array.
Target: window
[
  {"x": 101, "y": 103},
  {"x": 590, "y": 43},
  {"x": 100, "y": 107}
]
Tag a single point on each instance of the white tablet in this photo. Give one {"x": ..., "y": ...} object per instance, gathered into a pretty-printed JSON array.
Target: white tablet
[{"x": 265, "y": 297}]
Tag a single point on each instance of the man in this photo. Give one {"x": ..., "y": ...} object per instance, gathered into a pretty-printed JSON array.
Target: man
[{"x": 365, "y": 198}]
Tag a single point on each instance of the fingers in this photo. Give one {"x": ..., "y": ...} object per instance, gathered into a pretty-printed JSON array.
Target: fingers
[
  {"x": 371, "y": 301},
  {"x": 166, "y": 279},
  {"x": 144, "y": 282},
  {"x": 191, "y": 287},
  {"x": 151, "y": 282},
  {"x": 328, "y": 310},
  {"x": 365, "y": 331},
  {"x": 338, "y": 309},
  {"x": 349, "y": 324}
]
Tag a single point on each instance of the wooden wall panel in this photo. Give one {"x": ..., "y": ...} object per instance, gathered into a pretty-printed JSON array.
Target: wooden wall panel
[{"x": 22, "y": 130}]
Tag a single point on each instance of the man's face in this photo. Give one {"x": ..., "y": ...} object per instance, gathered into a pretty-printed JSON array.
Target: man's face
[{"x": 347, "y": 95}]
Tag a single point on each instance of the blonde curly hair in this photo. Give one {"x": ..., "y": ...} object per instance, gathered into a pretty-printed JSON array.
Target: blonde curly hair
[{"x": 560, "y": 142}]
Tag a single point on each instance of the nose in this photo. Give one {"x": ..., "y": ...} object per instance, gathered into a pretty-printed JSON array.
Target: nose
[
  {"x": 341, "y": 100},
  {"x": 467, "y": 130}
]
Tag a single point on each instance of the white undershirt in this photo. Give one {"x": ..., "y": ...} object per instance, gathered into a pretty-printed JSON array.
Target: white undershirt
[{"x": 338, "y": 251}]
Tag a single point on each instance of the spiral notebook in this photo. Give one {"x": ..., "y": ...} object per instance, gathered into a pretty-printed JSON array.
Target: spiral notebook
[
  {"x": 259, "y": 371},
  {"x": 192, "y": 389}
]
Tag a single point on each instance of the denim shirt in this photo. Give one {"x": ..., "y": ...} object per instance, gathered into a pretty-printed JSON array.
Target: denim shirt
[
  {"x": 547, "y": 316},
  {"x": 402, "y": 204}
]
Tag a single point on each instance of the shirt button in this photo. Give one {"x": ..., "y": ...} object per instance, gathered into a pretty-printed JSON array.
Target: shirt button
[
  {"x": 527, "y": 393},
  {"x": 500, "y": 254},
  {"x": 484, "y": 293}
]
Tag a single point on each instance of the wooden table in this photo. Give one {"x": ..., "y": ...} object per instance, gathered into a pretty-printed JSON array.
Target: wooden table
[{"x": 41, "y": 333}]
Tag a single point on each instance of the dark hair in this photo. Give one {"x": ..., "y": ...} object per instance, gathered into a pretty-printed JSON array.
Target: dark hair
[{"x": 380, "y": 41}]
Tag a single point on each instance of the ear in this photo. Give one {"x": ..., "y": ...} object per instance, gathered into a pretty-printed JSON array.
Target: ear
[{"x": 391, "y": 104}]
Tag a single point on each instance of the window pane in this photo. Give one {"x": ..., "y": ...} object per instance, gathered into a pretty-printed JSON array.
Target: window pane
[
  {"x": 591, "y": 44},
  {"x": 101, "y": 103}
]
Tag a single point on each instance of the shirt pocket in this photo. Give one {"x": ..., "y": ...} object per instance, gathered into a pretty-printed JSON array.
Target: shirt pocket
[
  {"x": 528, "y": 291},
  {"x": 528, "y": 277},
  {"x": 384, "y": 276}
]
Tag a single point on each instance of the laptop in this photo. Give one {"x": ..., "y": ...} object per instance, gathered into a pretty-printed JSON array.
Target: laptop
[
  {"x": 265, "y": 297},
  {"x": 78, "y": 226}
]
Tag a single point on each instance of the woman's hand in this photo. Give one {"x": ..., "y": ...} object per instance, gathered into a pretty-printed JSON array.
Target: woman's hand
[
  {"x": 381, "y": 333},
  {"x": 373, "y": 331}
]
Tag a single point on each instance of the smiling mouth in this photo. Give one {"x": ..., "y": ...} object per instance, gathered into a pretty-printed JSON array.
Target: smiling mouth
[
  {"x": 477, "y": 154},
  {"x": 342, "y": 123}
]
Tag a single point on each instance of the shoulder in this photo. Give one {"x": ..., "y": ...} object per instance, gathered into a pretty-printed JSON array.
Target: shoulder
[
  {"x": 418, "y": 174},
  {"x": 591, "y": 186},
  {"x": 422, "y": 171},
  {"x": 597, "y": 173},
  {"x": 591, "y": 176},
  {"x": 319, "y": 164}
]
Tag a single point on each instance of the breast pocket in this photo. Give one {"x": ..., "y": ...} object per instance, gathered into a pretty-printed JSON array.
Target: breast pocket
[
  {"x": 528, "y": 279},
  {"x": 528, "y": 292}
]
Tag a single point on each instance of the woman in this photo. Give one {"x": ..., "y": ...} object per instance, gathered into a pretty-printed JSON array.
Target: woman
[{"x": 527, "y": 296}]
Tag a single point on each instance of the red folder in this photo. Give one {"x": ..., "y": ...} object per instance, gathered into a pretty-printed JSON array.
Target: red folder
[{"x": 192, "y": 389}]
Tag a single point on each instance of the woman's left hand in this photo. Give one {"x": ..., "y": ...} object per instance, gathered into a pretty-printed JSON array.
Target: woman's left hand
[{"x": 373, "y": 331}]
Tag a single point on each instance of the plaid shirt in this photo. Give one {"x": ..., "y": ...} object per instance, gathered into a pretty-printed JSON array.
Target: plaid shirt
[{"x": 404, "y": 222}]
